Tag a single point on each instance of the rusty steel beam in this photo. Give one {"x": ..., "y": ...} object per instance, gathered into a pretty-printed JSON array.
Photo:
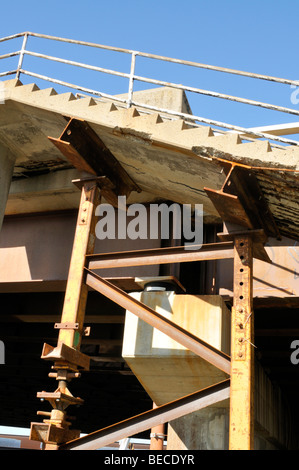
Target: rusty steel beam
[
  {"x": 240, "y": 200},
  {"x": 179, "y": 254},
  {"x": 76, "y": 290},
  {"x": 187, "y": 339},
  {"x": 87, "y": 152},
  {"x": 241, "y": 433},
  {"x": 151, "y": 418}
]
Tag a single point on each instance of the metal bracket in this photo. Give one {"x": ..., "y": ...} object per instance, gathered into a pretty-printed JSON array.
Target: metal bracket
[
  {"x": 67, "y": 326},
  {"x": 64, "y": 354}
]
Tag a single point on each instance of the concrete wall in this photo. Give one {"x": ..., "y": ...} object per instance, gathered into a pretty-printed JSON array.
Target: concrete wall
[
  {"x": 38, "y": 248},
  {"x": 7, "y": 161}
]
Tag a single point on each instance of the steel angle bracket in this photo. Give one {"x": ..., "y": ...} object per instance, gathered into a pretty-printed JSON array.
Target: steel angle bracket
[
  {"x": 240, "y": 200},
  {"x": 66, "y": 355},
  {"x": 52, "y": 434},
  {"x": 84, "y": 149}
]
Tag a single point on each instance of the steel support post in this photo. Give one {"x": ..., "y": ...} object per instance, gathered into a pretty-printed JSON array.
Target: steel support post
[
  {"x": 67, "y": 356},
  {"x": 241, "y": 432},
  {"x": 76, "y": 290},
  {"x": 157, "y": 435}
]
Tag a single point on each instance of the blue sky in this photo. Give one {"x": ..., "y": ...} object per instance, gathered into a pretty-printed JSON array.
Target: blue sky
[{"x": 256, "y": 36}]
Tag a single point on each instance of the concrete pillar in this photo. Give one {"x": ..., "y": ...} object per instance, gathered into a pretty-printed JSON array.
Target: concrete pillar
[
  {"x": 7, "y": 161},
  {"x": 205, "y": 429}
]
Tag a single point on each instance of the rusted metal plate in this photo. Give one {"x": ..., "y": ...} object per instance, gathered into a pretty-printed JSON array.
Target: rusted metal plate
[
  {"x": 258, "y": 237},
  {"x": 72, "y": 155},
  {"x": 50, "y": 433},
  {"x": 59, "y": 396},
  {"x": 64, "y": 353},
  {"x": 229, "y": 208},
  {"x": 84, "y": 149},
  {"x": 241, "y": 201}
]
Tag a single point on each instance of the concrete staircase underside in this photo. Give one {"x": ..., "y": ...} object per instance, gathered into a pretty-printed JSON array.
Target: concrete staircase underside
[{"x": 167, "y": 159}]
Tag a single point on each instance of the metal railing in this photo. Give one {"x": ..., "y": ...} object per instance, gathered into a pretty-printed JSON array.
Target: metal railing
[{"x": 132, "y": 77}]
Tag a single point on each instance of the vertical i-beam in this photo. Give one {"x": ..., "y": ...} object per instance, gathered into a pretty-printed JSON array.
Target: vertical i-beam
[
  {"x": 241, "y": 435},
  {"x": 76, "y": 289}
]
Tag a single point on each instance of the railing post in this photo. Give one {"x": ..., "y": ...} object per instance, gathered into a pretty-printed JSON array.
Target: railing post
[
  {"x": 131, "y": 80},
  {"x": 21, "y": 58}
]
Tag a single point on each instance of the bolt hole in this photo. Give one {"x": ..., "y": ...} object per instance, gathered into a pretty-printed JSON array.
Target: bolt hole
[
  {"x": 241, "y": 244},
  {"x": 241, "y": 283},
  {"x": 241, "y": 297},
  {"x": 241, "y": 270}
]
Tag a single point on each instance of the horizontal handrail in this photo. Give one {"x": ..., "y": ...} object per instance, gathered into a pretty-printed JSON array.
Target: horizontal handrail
[
  {"x": 164, "y": 83},
  {"x": 159, "y": 57},
  {"x": 132, "y": 77}
]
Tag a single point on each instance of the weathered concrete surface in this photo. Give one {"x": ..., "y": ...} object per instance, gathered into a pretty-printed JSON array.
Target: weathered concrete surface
[
  {"x": 53, "y": 191},
  {"x": 7, "y": 161},
  {"x": 167, "y": 159},
  {"x": 163, "y": 98}
]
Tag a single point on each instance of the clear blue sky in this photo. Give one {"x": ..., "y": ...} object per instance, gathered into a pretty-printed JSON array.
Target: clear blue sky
[{"x": 259, "y": 36}]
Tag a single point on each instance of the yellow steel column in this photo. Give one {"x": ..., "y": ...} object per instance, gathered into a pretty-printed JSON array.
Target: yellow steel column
[
  {"x": 241, "y": 432},
  {"x": 71, "y": 327}
]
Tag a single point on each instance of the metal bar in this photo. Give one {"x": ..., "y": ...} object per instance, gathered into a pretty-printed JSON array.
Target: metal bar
[
  {"x": 187, "y": 339},
  {"x": 11, "y": 54},
  {"x": 218, "y": 95},
  {"x": 133, "y": 77},
  {"x": 131, "y": 80},
  {"x": 241, "y": 431},
  {"x": 21, "y": 58},
  {"x": 78, "y": 64},
  {"x": 151, "y": 418},
  {"x": 82, "y": 43},
  {"x": 76, "y": 290},
  {"x": 177, "y": 254},
  {"x": 163, "y": 58},
  {"x": 3, "y": 74},
  {"x": 7, "y": 38}
]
